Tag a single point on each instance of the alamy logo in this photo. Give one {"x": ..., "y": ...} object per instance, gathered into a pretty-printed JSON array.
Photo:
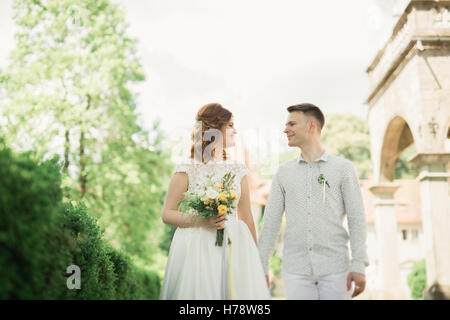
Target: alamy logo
[{"x": 74, "y": 280}]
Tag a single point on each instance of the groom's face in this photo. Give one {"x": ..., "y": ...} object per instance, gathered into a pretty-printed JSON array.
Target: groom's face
[{"x": 296, "y": 130}]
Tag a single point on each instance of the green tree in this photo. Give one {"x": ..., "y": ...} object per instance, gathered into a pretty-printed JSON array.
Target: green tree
[
  {"x": 68, "y": 90},
  {"x": 348, "y": 136},
  {"x": 403, "y": 168}
]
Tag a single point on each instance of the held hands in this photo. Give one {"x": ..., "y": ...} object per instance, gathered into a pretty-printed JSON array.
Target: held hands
[{"x": 360, "y": 282}]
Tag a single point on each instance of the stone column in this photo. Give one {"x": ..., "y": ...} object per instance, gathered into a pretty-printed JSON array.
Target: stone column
[
  {"x": 434, "y": 188},
  {"x": 387, "y": 239}
]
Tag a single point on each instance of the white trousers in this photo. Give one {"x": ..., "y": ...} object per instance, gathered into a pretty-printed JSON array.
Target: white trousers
[{"x": 328, "y": 287}]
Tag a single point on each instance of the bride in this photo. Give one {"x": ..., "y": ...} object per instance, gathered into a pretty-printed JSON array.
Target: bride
[{"x": 196, "y": 267}]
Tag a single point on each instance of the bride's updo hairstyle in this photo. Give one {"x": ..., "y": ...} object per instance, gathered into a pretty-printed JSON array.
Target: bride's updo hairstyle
[{"x": 207, "y": 131}]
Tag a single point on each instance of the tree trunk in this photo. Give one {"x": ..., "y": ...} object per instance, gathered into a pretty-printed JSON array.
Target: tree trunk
[
  {"x": 83, "y": 173},
  {"x": 66, "y": 153}
]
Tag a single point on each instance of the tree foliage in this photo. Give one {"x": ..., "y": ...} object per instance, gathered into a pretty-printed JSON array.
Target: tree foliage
[
  {"x": 348, "y": 136},
  {"x": 68, "y": 90}
]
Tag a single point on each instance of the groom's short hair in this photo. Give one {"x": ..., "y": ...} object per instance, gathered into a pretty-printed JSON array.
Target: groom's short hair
[{"x": 310, "y": 110}]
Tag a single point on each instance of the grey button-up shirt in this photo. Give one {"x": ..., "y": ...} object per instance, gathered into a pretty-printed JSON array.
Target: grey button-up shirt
[{"x": 315, "y": 240}]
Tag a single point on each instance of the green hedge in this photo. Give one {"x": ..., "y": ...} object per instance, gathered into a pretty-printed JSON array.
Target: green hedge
[
  {"x": 40, "y": 237},
  {"x": 417, "y": 279}
]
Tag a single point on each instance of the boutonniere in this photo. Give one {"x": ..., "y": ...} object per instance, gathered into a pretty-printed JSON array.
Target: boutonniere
[{"x": 323, "y": 181}]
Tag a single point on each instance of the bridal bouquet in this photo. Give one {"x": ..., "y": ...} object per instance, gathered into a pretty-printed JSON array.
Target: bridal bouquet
[{"x": 211, "y": 199}]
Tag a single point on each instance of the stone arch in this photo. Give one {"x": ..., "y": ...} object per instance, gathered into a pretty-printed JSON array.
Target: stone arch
[
  {"x": 397, "y": 137},
  {"x": 409, "y": 79}
]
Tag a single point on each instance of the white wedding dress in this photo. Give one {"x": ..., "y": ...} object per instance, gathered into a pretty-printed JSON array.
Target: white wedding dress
[{"x": 197, "y": 268}]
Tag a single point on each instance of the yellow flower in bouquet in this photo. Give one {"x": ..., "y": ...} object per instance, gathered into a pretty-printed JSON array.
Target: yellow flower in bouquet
[
  {"x": 233, "y": 194},
  {"x": 222, "y": 209},
  {"x": 223, "y": 196}
]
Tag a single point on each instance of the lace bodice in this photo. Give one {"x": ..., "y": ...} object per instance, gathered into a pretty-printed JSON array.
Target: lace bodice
[{"x": 198, "y": 173}]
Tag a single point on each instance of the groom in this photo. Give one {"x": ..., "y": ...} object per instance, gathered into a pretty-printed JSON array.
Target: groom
[{"x": 315, "y": 190}]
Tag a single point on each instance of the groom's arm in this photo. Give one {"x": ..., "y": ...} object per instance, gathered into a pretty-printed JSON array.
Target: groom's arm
[
  {"x": 272, "y": 222},
  {"x": 356, "y": 218}
]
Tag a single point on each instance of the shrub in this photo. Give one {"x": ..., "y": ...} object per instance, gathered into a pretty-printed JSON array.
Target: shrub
[
  {"x": 90, "y": 254},
  {"x": 40, "y": 237},
  {"x": 29, "y": 205},
  {"x": 131, "y": 282},
  {"x": 417, "y": 279}
]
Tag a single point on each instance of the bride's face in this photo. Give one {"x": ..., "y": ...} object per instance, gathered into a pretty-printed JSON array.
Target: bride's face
[{"x": 229, "y": 133}]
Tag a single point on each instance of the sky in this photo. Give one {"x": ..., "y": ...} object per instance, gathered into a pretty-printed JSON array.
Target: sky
[{"x": 255, "y": 57}]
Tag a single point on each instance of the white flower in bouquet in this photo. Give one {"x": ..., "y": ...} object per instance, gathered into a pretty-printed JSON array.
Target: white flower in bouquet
[
  {"x": 212, "y": 193},
  {"x": 202, "y": 194}
]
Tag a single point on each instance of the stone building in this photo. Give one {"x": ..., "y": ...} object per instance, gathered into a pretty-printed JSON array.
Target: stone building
[{"x": 409, "y": 102}]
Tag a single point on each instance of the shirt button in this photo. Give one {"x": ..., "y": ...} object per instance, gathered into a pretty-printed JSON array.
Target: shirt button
[{"x": 310, "y": 249}]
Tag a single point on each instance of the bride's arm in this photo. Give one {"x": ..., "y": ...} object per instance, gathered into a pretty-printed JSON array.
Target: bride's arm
[
  {"x": 170, "y": 215},
  {"x": 244, "y": 210}
]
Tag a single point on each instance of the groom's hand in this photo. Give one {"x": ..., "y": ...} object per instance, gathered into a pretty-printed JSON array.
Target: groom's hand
[
  {"x": 268, "y": 280},
  {"x": 360, "y": 282}
]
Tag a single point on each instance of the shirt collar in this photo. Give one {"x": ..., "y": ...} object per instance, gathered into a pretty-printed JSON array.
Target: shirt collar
[{"x": 323, "y": 157}]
